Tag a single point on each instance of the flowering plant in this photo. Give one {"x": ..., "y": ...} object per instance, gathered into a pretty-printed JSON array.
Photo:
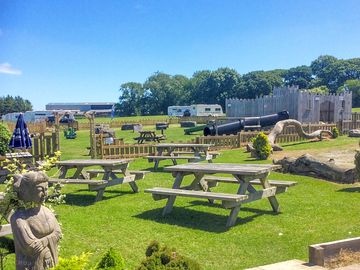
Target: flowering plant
[{"x": 10, "y": 201}]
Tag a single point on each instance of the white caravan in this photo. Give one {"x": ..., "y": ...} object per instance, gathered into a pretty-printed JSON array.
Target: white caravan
[{"x": 196, "y": 110}]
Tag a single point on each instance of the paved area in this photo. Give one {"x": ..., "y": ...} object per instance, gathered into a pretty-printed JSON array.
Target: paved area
[
  {"x": 350, "y": 267},
  {"x": 299, "y": 265},
  {"x": 289, "y": 265}
]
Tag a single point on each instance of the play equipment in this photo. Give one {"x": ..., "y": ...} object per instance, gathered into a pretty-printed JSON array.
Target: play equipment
[
  {"x": 70, "y": 133},
  {"x": 246, "y": 123},
  {"x": 188, "y": 131}
]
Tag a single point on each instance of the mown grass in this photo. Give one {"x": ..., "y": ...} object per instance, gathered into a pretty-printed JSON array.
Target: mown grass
[
  {"x": 355, "y": 109},
  {"x": 313, "y": 211}
]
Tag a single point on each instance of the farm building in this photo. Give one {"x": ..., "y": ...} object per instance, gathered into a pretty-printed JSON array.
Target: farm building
[
  {"x": 302, "y": 105},
  {"x": 100, "y": 108}
]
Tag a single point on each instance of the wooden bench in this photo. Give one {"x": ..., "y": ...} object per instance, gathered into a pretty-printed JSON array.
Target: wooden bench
[
  {"x": 177, "y": 153},
  {"x": 282, "y": 185},
  {"x": 93, "y": 185},
  {"x": 157, "y": 159},
  {"x": 228, "y": 200},
  {"x": 95, "y": 172}
]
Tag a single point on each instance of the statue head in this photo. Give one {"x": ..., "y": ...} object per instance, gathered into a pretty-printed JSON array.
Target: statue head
[{"x": 31, "y": 186}]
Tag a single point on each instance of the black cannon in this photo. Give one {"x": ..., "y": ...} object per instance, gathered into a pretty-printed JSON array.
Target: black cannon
[{"x": 238, "y": 125}]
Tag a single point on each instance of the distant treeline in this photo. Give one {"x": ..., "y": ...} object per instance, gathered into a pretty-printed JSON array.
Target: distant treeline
[
  {"x": 9, "y": 104},
  {"x": 326, "y": 74}
]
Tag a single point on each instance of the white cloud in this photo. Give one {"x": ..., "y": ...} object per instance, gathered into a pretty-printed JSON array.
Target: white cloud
[{"x": 8, "y": 69}]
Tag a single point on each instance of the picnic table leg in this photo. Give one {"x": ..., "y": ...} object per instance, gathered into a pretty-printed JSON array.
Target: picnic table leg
[
  {"x": 134, "y": 187},
  {"x": 79, "y": 173},
  {"x": 170, "y": 202},
  {"x": 272, "y": 199},
  {"x": 99, "y": 194},
  {"x": 156, "y": 164},
  {"x": 244, "y": 184},
  {"x": 199, "y": 184},
  {"x": 132, "y": 184},
  {"x": 63, "y": 171}
]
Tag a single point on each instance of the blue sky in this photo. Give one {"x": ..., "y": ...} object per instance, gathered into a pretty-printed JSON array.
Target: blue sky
[{"x": 77, "y": 51}]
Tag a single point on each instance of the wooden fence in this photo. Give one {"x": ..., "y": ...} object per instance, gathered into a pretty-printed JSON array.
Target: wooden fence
[
  {"x": 114, "y": 151},
  {"x": 44, "y": 145}
]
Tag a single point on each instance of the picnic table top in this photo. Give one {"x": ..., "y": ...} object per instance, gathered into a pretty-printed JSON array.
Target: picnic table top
[
  {"x": 238, "y": 169},
  {"x": 93, "y": 162},
  {"x": 168, "y": 145}
]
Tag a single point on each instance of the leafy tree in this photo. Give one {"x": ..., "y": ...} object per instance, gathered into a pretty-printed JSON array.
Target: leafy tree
[
  {"x": 130, "y": 101},
  {"x": 213, "y": 87},
  {"x": 301, "y": 76},
  {"x": 354, "y": 87},
  {"x": 333, "y": 72},
  {"x": 319, "y": 90},
  {"x": 258, "y": 83},
  {"x": 165, "y": 90},
  {"x": 9, "y": 104}
]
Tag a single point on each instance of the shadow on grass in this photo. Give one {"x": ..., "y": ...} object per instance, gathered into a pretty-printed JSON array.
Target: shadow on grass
[
  {"x": 89, "y": 199},
  {"x": 352, "y": 189},
  {"x": 190, "y": 218}
]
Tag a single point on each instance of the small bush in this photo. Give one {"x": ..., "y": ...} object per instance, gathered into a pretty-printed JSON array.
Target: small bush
[
  {"x": 154, "y": 246},
  {"x": 73, "y": 263},
  {"x": 111, "y": 261},
  {"x": 262, "y": 146},
  {"x": 164, "y": 258},
  {"x": 5, "y": 136},
  {"x": 335, "y": 132},
  {"x": 357, "y": 165}
]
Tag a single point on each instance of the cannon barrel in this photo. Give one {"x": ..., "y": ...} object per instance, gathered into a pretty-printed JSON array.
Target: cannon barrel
[{"x": 238, "y": 125}]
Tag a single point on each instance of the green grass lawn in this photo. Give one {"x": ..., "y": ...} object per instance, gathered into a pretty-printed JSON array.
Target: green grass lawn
[
  {"x": 314, "y": 211},
  {"x": 355, "y": 109}
]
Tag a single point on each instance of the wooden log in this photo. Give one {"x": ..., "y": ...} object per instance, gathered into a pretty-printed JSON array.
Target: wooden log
[{"x": 310, "y": 166}]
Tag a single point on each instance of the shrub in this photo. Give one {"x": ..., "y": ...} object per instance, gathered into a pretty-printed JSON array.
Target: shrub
[
  {"x": 111, "y": 261},
  {"x": 335, "y": 132},
  {"x": 73, "y": 263},
  {"x": 5, "y": 136},
  {"x": 262, "y": 146},
  {"x": 164, "y": 258}
]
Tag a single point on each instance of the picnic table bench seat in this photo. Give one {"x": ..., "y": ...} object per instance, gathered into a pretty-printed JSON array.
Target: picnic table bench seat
[
  {"x": 152, "y": 158},
  {"x": 95, "y": 172},
  {"x": 77, "y": 181},
  {"x": 164, "y": 193},
  {"x": 176, "y": 153},
  {"x": 276, "y": 183}
]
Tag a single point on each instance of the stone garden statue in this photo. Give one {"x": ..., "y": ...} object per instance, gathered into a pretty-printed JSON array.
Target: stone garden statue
[{"x": 35, "y": 228}]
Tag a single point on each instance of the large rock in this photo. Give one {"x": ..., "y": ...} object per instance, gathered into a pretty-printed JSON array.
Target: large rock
[{"x": 354, "y": 133}]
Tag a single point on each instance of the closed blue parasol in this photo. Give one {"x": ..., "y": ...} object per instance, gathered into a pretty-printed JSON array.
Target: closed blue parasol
[{"x": 20, "y": 138}]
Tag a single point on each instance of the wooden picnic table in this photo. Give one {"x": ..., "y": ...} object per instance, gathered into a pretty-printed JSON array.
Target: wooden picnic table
[
  {"x": 110, "y": 169},
  {"x": 148, "y": 136},
  {"x": 174, "y": 151},
  {"x": 244, "y": 175}
]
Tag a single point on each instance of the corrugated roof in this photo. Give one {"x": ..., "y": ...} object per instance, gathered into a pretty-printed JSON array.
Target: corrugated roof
[{"x": 81, "y": 103}]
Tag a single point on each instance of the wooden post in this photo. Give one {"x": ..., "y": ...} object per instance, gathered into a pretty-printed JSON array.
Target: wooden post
[
  {"x": 90, "y": 115},
  {"x": 239, "y": 140}
]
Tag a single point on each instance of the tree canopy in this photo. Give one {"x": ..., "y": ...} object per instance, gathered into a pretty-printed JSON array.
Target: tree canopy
[
  {"x": 9, "y": 104},
  {"x": 326, "y": 74}
]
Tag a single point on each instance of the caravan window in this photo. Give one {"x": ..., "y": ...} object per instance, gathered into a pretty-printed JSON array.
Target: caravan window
[
  {"x": 179, "y": 110},
  {"x": 217, "y": 109},
  {"x": 207, "y": 109}
]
